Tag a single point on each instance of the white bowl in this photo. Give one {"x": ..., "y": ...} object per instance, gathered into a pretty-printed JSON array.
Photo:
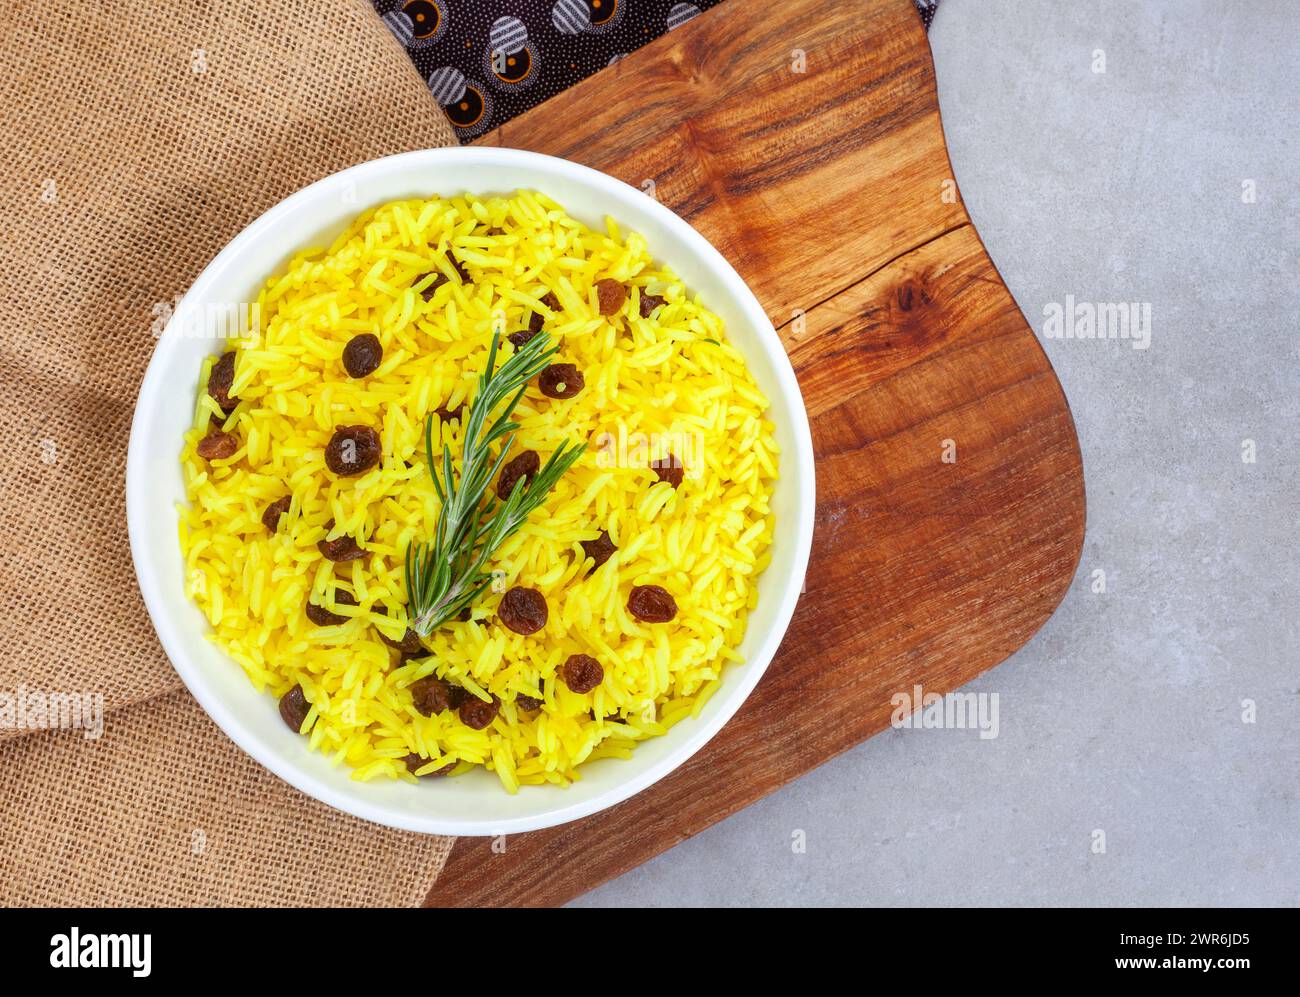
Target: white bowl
[{"x": 474, "y": 803}]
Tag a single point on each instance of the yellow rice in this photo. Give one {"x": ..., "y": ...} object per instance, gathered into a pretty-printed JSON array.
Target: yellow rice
[{"x": 652, "y": 385}]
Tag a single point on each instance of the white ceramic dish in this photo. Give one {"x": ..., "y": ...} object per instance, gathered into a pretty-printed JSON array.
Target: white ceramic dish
[{"x": 474, "y": 803}]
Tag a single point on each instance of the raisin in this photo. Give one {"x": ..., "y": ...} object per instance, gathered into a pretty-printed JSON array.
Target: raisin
[
  {"x": 582, "y": 673},
  {"x": 409, "y": 643},
  {"x": 449, "y": 414},
  {"x": 414, "y": 762},
  {"x": 522, "y": 336},
  {"x": 599, "y": 550},
  {"x": 524, "y": 466},
  {"x": 535, "y": 321},
  {"x": 362, "y": 355},
  {"x": 322, "y": 617},
  {"x": 460, "y": 269},
  {"x": 668, "y": 469},
  {"x": 278, "y": 508},
  {"x": 613, "y": 718},
  {"x": 439, "y": 278},
  {"x": 561, "y": 380},
  {"x": 342, "y": 549},
  {"x": 651, "y": 604},
  {"x": 476, "y": 714},
  {"x": 352, "y": 450},
  {"x": 294, "y": 708},
  {"x": 457, "y": 695},
  {"x": 220, "y": 378},
  {"x": 529, "y": 703},
  {"x": 466, "y": 615},
  {"x": 218, "y": 446},
  {"x": 649, "y": 302},
  {"x": 523, "y": 610},
  {"x": 430, "y": 695},
  {"x": 610, "y": 295}
]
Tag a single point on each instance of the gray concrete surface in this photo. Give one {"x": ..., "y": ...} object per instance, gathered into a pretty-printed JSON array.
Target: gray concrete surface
[{"x": 1125, "y": 713}]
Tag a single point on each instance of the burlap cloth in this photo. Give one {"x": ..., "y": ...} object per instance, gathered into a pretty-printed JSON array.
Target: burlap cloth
[{"x": 139, "y": 137}]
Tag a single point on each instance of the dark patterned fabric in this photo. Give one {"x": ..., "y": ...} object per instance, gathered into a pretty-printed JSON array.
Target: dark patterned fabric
[{"x": 486, "y": 61}]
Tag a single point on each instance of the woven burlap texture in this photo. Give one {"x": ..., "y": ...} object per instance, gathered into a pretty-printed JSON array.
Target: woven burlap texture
[
  {"x": 137, "y": 147},
  {"x": 165, "y": 810}
]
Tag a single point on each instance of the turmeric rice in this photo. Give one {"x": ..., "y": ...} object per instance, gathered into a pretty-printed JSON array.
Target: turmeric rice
[{"x": 433, "y": 279}]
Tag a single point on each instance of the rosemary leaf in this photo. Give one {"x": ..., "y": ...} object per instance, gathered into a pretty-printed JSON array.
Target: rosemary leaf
[{"x": 448, "y": 573}]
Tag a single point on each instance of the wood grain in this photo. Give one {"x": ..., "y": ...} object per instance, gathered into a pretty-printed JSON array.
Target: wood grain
[{"x": 826, "y": 189}]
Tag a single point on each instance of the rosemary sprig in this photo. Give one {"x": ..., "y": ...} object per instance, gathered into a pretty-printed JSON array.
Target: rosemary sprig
[{"x": 446, "y": 574}]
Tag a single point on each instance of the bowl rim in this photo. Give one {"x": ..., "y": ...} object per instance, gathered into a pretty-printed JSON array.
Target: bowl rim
[{"x": 798, "y": 464}]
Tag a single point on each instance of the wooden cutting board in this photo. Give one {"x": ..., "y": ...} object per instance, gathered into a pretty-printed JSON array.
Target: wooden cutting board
[{"x": 830, "y": 191}]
